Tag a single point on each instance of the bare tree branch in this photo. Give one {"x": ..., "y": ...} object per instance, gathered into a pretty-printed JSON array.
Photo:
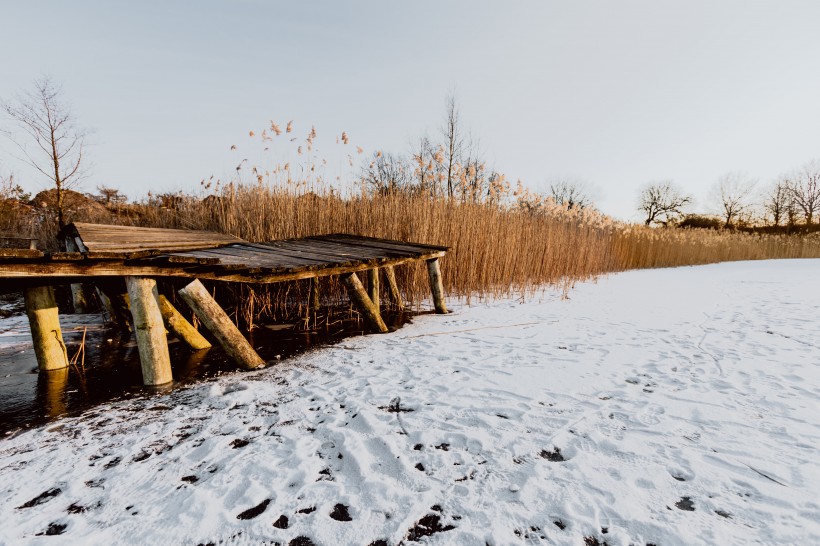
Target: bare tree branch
[{"x": 48, "y": 124}]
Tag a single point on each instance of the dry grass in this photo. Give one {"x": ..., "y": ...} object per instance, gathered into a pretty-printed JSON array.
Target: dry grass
[{"x": 495, "y": 250}]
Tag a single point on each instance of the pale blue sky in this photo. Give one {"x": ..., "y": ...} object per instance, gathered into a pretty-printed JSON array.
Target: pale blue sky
[{"x": 614, "y": 92}]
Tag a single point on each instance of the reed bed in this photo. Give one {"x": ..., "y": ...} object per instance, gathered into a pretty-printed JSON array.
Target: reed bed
[{"x": 496, "y": 250}]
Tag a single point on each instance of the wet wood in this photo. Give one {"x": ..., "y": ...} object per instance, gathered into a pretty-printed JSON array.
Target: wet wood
[
  {"x": 358, "y": 296},
  {"x": 436, "y": 285},
  {"x": 219, "y": 324},
  {"x": 46, "y": 335},
  {"x": 150, "y": 330},
  {"x": 393, "y": 287},
  {"x": 180, "y": 326}
]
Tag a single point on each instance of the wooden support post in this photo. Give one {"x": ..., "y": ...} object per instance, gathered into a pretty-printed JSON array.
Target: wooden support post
[
  {"x": 183, "y": 329},
  {"x": 78, "y": 295},
  {"x": 359, "y": 297},
  {"x": 373, "y": 286},
  {"x": 436, "y": 286},
  {"x": 217, "y": 322},
  {"x": 315, "y": 302},
  {"x": 395, "y": 295},
  {"x": 118, "y": 300},
  {"x": 44, "y": 319},
  {"x": 150, "y": 332}
]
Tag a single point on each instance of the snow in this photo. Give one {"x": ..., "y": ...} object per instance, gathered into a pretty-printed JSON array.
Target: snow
[{"x": 675, "y": 406}]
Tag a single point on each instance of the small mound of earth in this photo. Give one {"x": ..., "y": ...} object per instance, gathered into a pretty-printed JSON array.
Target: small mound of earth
[
  {"x": 427, "y": 526},
  {"x": 340, "y": 513},
  {"x": 553, "y": 456}
]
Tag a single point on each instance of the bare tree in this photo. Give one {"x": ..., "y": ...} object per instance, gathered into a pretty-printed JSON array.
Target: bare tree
[
  {"x": 453, "y": 142},
  {"x": 572, "y": 193},
  {"x": 778, "y": 201},
  {"x": 733, "y": 192},
  {"x": 55, "y": 145},
  {"x": 110, "y": 196},
  {"x": 662, "y": 202},
  {"x": 805, "y": 189},
  {"x": 388, "y": 173}
]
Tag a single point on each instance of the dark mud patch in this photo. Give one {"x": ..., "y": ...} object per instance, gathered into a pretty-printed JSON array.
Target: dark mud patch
[
  {"x": 309, "y": 510},
  {"x": 190, "y": 479},
  {"x": 251, "y": 513},
  {"x": 685, "y": 503},
  {"x": 593, "y": 541},
  {"x": 41, "y": 498},
  {"x": 560, "y": 524},
  {"x": 427, "y": 526},
  {"x": 340, "y": 513},
  {"x": 239, "y": 443},
  {"x": 301, "y": 541},
  {"x": 282, "y": 522},
  {"x": 53, "y": 529},
  {"x": 553, "y": 456},
  {"x": 723, "y": 514}
]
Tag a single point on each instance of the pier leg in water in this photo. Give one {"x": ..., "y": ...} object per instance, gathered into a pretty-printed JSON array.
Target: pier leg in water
[
  {"x": 314, "y": 294},
  {"x": 51, "y": 385},
  {"x": 359, "y": 297},
  {"x": 219, "y": 324},
  {"x": 395, "y": 295},
  {"x": 78, "y": 294},
  {"x": 44, "y": 320},
  {"x": 373, "y": 287},
  {"x": 150, "y": 330},
  {"x": 436, "y": 286},
  {"x": 183, "y": 329}
]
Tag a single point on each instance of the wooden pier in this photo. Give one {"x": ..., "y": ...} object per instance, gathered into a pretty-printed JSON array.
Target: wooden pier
[{"x": 98, "y": 254}]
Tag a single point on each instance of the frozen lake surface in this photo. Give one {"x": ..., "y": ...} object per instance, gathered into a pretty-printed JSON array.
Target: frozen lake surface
[{"x": 676, "y": 406}]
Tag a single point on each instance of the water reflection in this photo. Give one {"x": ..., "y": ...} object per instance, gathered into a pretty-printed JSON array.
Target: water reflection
[
  {"x": 112, "y": 368},
  {"x": 51, "y": 391}
]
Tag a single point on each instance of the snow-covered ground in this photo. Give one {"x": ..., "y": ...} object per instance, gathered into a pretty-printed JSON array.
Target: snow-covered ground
[{"x": 676, "y": 406}]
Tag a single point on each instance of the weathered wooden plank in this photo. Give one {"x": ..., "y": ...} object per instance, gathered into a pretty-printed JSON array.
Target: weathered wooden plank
[
  {"x": 20, "y": 253},
  {"x": 400, "y": 248},
  {"x": 332, "y": 251},
  {"x": 361, "y": 238},
  {"x": 70, "y": 271}
]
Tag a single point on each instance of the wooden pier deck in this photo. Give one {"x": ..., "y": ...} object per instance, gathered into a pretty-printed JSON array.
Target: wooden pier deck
[{"x": 97, "y": 253}]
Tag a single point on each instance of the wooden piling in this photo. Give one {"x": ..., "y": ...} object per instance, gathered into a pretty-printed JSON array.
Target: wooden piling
[
  {"x": 219, "y": 324},
  {"x": 373, "y": 286},
  {"x": 44, "y": 320},
  {"x": 78, "y": 294},
  {"x": 150, "y": 331},
  {"x": 117, "y": 297},
  {"x": 359, "y": 297},
  {"x": 436, "y": 286},
  {"x": 393, "y": 287},
  {"x": 315, "y": 302},
  {"x": 183, "y": 329}
]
